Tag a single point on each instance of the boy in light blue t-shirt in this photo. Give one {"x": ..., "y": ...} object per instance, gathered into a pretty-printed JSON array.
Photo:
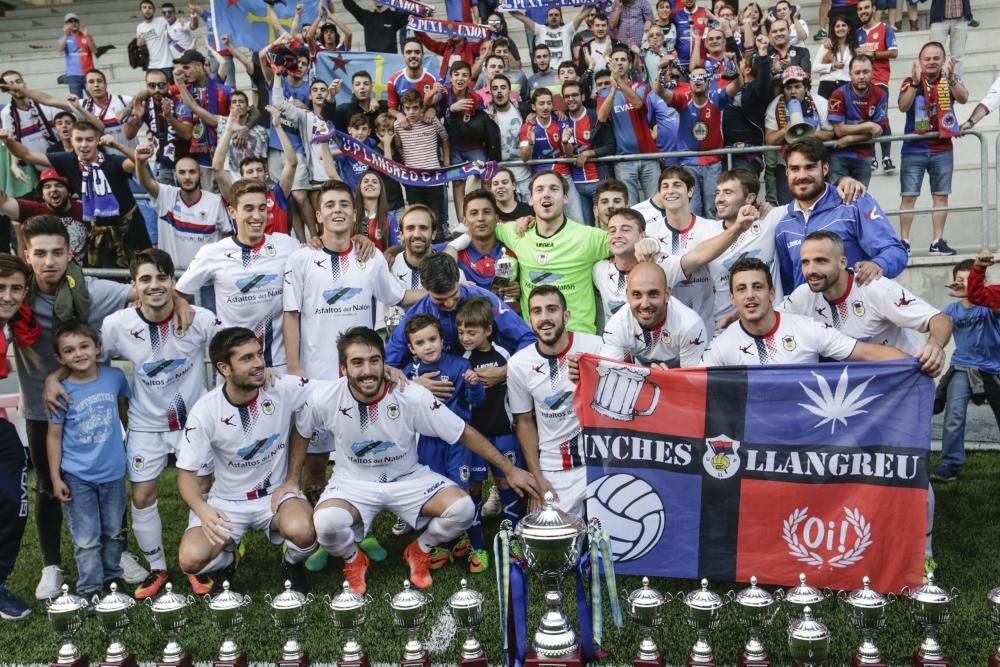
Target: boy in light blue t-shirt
[{"x": 87, "y": 456}]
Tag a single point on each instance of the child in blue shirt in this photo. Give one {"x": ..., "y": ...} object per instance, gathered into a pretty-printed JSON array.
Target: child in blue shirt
[{"x": 87, "y": 456}]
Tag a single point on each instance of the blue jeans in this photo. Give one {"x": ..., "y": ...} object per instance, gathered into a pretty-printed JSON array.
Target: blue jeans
[
  {"x": 95, "y": 523},
  {"x": 77, "y": 86},
  {"x": 641, "y": 177},
  {"x": 938, "y": 167},
  {"x": 956, "y": 405},
  {"x": 859, "y": 168},
  {"x": 706, "y": 176},
  {"x": 586, "y": 193}
]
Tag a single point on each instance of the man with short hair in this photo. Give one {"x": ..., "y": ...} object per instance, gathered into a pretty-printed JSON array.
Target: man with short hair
[
  {"x": 477, "y": 262},
  {"x": 111, "y": 110},
  {"x": 56, "y": 201},
  {"x": 416, "y": 233},
  {"x": 180, "y": 31},
  {"x": 688, "y": 20},
  {"x": 152, "y": 33},
  {"x": 380, "y": 25},
  {"x": 362, "y": 101},
  {"x": 594, "y": 52},
  {"x": 858, "y": 112},
  {"x": 169, "y": 121},
  {"x": 877, "y": 39},
  {"x": 555, "y": 34},
  {"x": 783, "y": 54},
  {"x": 545, "y": 75},
  {"x": 31, "y": 123},
  {"x": 78, "y": 48},
  {"x": 588, "y": 139},
  {"x": 211, "y": 95},
  {"x": 610, "y": 195},
  {"x": 413, "y": 76},
  {"x": 509, "y": 120}
]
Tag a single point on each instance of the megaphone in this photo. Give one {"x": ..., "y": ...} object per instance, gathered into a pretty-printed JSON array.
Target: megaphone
[{"x": 798, "y": 126}]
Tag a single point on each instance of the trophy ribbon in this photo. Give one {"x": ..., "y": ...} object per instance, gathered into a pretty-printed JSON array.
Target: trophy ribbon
[
  {"x": 602, "y": 562},
  {"x": 512, "y": 587}
]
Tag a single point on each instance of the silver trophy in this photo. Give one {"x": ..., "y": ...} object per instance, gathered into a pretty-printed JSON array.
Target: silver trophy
[
  {"x": 112, "y": 614},
  {"x": 66, "y": 614},
  {"x": 755, "y": 609},
  {"x": 551, "y": 540},
  {"x": 930, "y": 607},
  {"x": 505, "y": 273},
  {"x": 226, "y": 612},
  {"x": 993, "y": 598},
  {"x": 169, "y": 615},
  {"x": 867, "y": 611},
  {"x": 347, "y": 610},
  {"x": 466, "y": 606},
  {"x": 704, "y": 609},
  {"x": 409, "y": 612},
  {"x": 645, "y": 607},
  {"x": 795, "y": 600},
  {"x": 808, "y": 640},
  {"x": 288, "y": 611},
  {"x": 393, "y": 316}
]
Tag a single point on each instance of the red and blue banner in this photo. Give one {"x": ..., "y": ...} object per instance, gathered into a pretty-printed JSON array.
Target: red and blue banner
[
  {"x": 472, "y": 31},
  {"x": 409, "y": 6},
  {"x": 729, "y": 473}
]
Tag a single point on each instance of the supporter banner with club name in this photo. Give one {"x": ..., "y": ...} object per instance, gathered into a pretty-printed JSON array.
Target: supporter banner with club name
[
  {"x": 765, "y": 471},
  {"x": 247, "y": 24},
  {"x": 471, "y": 31},
  {"x": 409, "y": 6},
  {"x": 342, "y": 65},
  {"x": 521, "y": 5}
]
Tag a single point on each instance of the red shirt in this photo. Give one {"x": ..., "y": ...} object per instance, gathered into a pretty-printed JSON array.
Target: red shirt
[{"x": 980, "y": 293}]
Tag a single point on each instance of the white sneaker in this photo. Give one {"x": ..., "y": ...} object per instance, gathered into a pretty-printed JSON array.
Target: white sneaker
[
  {"x": 132, "y": 571},
  {"x": 400, "y": 527},
  {"x": 50, "y": 585},
  {"x": 491, "y": 507}
]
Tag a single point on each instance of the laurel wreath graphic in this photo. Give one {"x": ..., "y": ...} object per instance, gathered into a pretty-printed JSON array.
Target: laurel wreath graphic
[
  {"x": 790, "y": 531},
  {"x": 799, "y": 551},
  {"x": 863, "y": 539}
]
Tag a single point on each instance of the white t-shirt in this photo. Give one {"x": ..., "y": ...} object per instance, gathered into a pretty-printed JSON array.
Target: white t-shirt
[
  {"x": 794, "y": 340},
  {"x": 540, "y": 383},
  {"x": 154, "y": 33},
  {"x": 559, "y": 41},
  {"x": 183, "y": 230},
  {"x": 169, "y": 365},
  {"x": 31, "y": 129},
  {"x": 377, "y": 441},
  {"x": 333, "y": 292},
  {"x": 882, "y": 312},
  {"x": 248, "y": 443},
  {"x": 611, "y": 282},
  {"x": 407, "y": 274},
  {"x": 771, "y": 117},
  {"x": 310, "y": 126},
  {"x": 248, "y": 283},
  {"x": 678, "y": 340},
  {"x": 108, "y": 115},
  {"x": 510, "y": 122},
  {"x": 180, "y": 37}
]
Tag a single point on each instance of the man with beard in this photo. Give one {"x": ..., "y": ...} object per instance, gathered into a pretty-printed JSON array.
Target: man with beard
[
  {"x": 242, "y": 428},
  {"x": 167, "y": 120},
  {"x": 509, "y": 119},
  {"x": 212, "y": 96},
  {"x": 188, "y": 218},
  {"x": 743, "y": 123},
  {"x": 859, "y": 112},
  {"x": 545, "y": 76},
  {"x": 688, "y": 20},
  {"x": 877, "y": 39},
  {"x": 56, "y": 201},
  {"x": 375, "y": 428},
  {"x": 881, "y": 311},
  {"x": 478, "y": 260},
  {"x": 111, "y": 110},
  {"x": 870, "y": 243},
  {"x": 416, "y": 229},
  {"x": 413, "y": 76},
  {"x": 540, "y": 393},
  {"x": 587, "y": 139},
  {"x": 503, "y": 186},
  {"x": 361, "y": 101},
  {"x": 152, "y": 33}
]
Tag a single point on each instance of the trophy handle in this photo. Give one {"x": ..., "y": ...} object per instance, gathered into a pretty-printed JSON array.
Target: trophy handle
[
  {"x": 246, "y": 601},
  {"x": 779, "y": 595},
  {"x": 891, "y": 597},
  {"x": 309, "y": 598},
  {"x": 904, "y": 592},
  {"x": 327, "y": 599},
  {"x": 730, "y": 595},
  {"x": 268, "y": 598},
  {"x": 827, "y": 593},
  {"x": 955, "y": 592},
  {"x": 430, "y": 598},
  {"x": 842, "y": 596}
]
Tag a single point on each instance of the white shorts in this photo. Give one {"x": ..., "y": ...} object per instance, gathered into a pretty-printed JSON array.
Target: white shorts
[
  {"x": 147, "y": 454},
  {"x": 245, "y": 515},
  {"x": 405, "y": 497},
  {"x": 571, "y": 487}
]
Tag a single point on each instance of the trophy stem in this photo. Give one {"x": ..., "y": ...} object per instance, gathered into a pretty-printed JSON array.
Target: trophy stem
[
  {"x": 292, "y": 650},
  {"x": 754, "y": 649},
  {"x": 352, "y": 650},
  {"x": 471, "y": 648},
  {"x": 701, "y": 652},
  {"x": 68, "y": 654},
  {"x": 117, "y": 653},
  {"x": 413, "y": 650},
  {"x": 229, "y": 651},
  {"x": 930, "y": 649},
  {"x": 647, "y": 647}
]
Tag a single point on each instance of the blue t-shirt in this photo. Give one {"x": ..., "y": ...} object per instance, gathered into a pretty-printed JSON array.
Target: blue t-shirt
[
  {"x": 92, "y": 445},
  {"x": 976, "y": 331}
]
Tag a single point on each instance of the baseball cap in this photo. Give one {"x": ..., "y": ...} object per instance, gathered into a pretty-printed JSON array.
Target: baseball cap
[
  {"x": 51, "y": 174},
  {"x": 190, "y": 56},
  {"x": 71, "y": 17},
  {"x": 794, "y": 73}
]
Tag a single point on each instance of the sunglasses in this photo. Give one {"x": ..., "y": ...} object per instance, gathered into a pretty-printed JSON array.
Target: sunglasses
[
  {"x": 166, "y": 12},
  {"x": 154, "y": 85},
  {"x": 699, "y": 78}
]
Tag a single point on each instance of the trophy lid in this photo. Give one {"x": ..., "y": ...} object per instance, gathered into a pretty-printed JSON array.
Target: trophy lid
[
  {"x": 754, "y": 596},
  {"x": 550, "y": 523},
  {"x": 932, "y": 593},
  {"x": 465, "y": 597},
  {"x": 226, "y": 600},
  {"x": 288, "y": 599},
  {"x": 808, "y": 628},
  {"x": 66, "y": 602},
  {"x": 702, "y": 598},
  {"x": 114, "y": 601},
  {"x": 346, "y": 600},
  {"x": 169, "y": 601},
  {"x": 408, "y": 598},
  {"x": 804, "y": 593},
  {"x": 646, "y": 597},
  {"x": 866, "y": 596}
]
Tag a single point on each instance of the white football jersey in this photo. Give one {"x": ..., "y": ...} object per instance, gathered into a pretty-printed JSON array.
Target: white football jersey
[
  {"x": 882, "y": 312},
  {"x": 540, "y": 383},
  {"x": 332, "y": 292},
  {"x": 183, "y": 230},
  {"x": 793, "y": 340},
  {"x": 611, "y": 282},
  {"x": 248, "y": 444},
  {"x": 405, "y": 273},
  {"x": 249, "y": 282},
  {"x": 678, "y": 340},
  {"x": 169, "y": 374},
  {"x": 377, "y": 441}
]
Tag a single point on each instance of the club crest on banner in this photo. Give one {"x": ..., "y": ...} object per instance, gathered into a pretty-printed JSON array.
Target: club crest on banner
[
  {"x": 826, "y": 543},
  {"x": 721, "y": 458},
  {"x": 618, "y": 389}
]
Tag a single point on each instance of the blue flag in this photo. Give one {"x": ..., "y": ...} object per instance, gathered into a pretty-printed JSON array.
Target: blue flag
[
  {"x": 342, "y": 65},
  {"x": 246, "y": 22}
]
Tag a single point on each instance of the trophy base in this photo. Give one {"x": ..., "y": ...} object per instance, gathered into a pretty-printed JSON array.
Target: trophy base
[
  {"x": 238, "y": 661},
  {"x": 299, "y": 662},
  {"x": 795, "y": 664},
  {"x": 532, "y": 659},
  {"x": 361, "y": 662},
  {"x": 658, "y": 661},
  {"x": 422, "y": 661},
  {"x": 129, "y": 661},
  {"x": 994, "y": 660},
  {"x": 921, "y": 661},
  {"x": 185, "y": 661},
  {"x": 856, "y": 662},
  {"x": 744, "y": 662},
  {"x": 82, "y": 661},
  {"x": 691, "y": 662},
  {"x": 481, "y": 661}
]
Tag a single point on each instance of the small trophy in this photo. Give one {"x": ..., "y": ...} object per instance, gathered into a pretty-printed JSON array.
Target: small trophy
[
  {"x": 505, "y": 273},
  {"x": 703, "y": 613},
  {"x": 169, "y": 615},
  {"x": 795, "y": 600},
  {"x": 466, "y": 607},
  {"x": 288, "y": 611},
  {"x": 393, "y": 316},
  {"x": 66, "y": 614},
  {"x": 808, "y": 640},
  {"x": 930, "y": 606},
  {"x": 866, "y": 610},
  {"x": 347, "y": 609},
  {"x": 226, "y": 612},
  {"x": 993, "y": 598},
  {"x": 112, "y": 613},
  {"x": 755, "y": 609},
  {"x": 409, "y": 611},
  {"x": 645, "y": 607}
]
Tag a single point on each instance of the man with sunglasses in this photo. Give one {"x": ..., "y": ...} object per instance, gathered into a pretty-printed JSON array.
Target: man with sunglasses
[
  {"x": 169, "y": 121},
  {"x": 152, "y": 33},
  {"x": 180, "y": 31}
]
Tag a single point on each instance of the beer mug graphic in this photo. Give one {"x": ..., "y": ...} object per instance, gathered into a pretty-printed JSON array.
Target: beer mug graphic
[{"x": 618, "y": 390}]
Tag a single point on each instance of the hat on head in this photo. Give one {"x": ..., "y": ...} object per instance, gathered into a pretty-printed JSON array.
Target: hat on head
[
  {"x": 794, "y": 73},
  {"x": 51, "y": 174},
  {"x": 71, "y": 17},
  {"x": 190, "y": 56}
]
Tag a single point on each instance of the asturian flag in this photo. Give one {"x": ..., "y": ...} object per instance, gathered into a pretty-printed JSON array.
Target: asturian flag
[
  {"x": 247, "y": 24},
  {"x": 342, "y": 65},
  {"x": 729, "y": 473}
]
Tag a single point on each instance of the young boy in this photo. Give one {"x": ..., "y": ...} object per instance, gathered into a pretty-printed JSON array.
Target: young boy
[
  {"x": 475, "y": 327},
  {"x": 349, "y": 169},
  {"x": 423, "y": 145},
  {"x": 87, "y": 457},
  {"x": 976, "y": 361},
  {"x": 425, "y": 338}
]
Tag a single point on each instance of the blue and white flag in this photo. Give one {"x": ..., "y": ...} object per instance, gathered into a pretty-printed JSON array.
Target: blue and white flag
[
  {"x": 246, "y": 22},
  {"x": 342, "y": 65}
]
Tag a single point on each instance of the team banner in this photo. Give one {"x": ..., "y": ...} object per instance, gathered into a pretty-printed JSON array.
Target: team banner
[
  {"x": 472, "y": 31},
  {"x": 247, "y": 24},
  {"x": 401, "y": 173},
  {"x": 521, "y": 5},
  {"x": 732, "y": 472},
  {"x": 342, "y": 65},
  {"x": 409, "y": 6}
]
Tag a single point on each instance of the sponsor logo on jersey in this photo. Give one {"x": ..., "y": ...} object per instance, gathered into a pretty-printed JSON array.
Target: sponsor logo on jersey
[
  {"x": 154, "y": 368},
  {"x": 544, "y": 277},
  {"x": 721, "y": 458},
  {"x": 903, "y": 301},
  {"x": 367, "y": 447},
  {"x": 136, "y": 333},
  {"x": 558, "y": 400},
  {"x": 332, "y": 296},
  {"x": 228, "y": 421},
  {"x": 257, "y": 447},
  {"x": 256, "y": 281}
]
